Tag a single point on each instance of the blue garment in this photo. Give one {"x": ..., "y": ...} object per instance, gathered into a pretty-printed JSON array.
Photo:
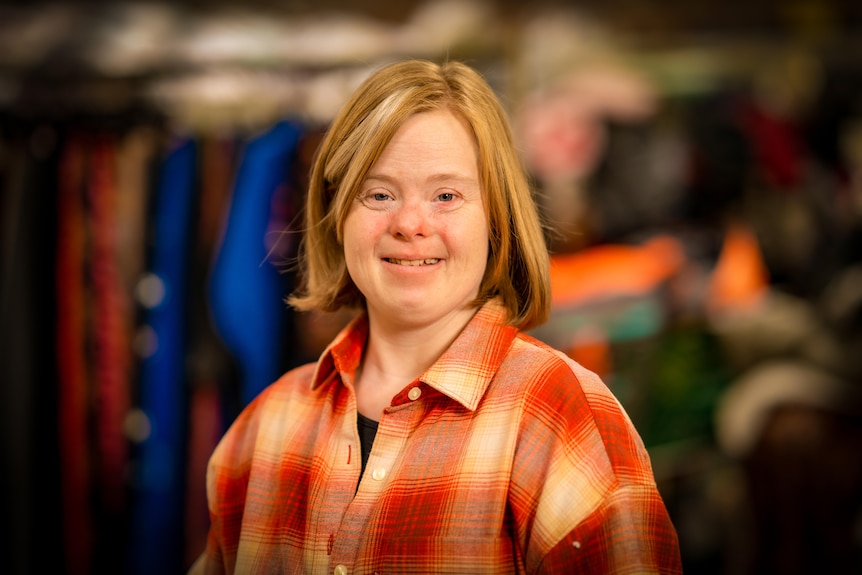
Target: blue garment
[
  {"x": 246, "y": 290},
  {"x": 156, "y": 537}
]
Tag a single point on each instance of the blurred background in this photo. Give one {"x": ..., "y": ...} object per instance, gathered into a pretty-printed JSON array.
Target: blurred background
[{"x": 699, "y": 165}]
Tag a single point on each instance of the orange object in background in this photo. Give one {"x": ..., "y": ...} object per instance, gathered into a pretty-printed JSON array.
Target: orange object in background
[
  {"x": 740, "y": 277},
  {"x": 598, "y": 293},
  {"x": 611, "y": 270},
  {"x": 599, "y": 285}
]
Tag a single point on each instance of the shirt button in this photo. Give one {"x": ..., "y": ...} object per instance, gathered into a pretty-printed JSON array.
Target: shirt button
[
  {"x": 378, "y": 475},
  {"x": 340, "y": 570},
  {"x": 414, "y": 393}
]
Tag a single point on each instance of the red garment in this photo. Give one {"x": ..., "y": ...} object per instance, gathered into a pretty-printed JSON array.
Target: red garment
[
  {"x": 505, "y": 456},
  {"x": 778, "y": 146},
  {"x": 112, "y": 349},
  {"x": 73, "y": 376}
]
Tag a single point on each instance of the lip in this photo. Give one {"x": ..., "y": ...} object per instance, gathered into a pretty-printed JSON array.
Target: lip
[{"x": 412, "y": 261}]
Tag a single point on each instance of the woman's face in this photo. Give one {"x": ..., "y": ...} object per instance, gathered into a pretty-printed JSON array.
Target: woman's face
[{"x": 416, "y": 235}]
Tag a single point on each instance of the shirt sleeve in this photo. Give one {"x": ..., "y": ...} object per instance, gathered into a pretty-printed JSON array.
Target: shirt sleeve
[
  {"x": 587, "y": 498},
  {"x": 630, "y": 533}
]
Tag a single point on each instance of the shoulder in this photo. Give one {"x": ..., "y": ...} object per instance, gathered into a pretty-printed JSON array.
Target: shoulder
[
  {"x": 261, "y": 417},
  {"x": 549, "y": 375},
  {"x": 576, "y": 406},
  {"x": 581, "y": 474},
  {"x": 552, "y": 375}
]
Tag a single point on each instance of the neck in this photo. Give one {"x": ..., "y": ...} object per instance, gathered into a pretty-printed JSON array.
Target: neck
[{"x": 395, "y": 355}]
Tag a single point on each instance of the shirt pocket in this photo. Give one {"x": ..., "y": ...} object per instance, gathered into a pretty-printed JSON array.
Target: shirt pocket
[{"x": 442, "y": 555}]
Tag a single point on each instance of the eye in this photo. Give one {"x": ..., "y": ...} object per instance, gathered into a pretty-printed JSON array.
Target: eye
[
  {"x": 376, "y": 198},
  {"x": 374, "y": 195},
  {"x": 446, "y": 197}
]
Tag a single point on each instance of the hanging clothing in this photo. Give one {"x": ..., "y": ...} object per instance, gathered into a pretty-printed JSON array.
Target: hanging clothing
[
  {"x": 155, "y": 544},
  {"x": 73, "y": 371},
  {"x": 246, "y": 290},
  {"x": 213, "y": 385},
  {"x": 112, "y": 306}
]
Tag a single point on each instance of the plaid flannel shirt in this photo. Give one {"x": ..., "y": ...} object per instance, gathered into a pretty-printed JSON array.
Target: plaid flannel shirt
[{"x": 504, "y": 457}]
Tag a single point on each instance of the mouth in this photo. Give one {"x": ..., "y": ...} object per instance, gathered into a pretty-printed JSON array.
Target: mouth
[{"x": 425, "y": 262}]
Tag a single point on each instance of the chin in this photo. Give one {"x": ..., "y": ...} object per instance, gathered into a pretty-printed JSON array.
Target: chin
[{"x": 417, "y": 314}]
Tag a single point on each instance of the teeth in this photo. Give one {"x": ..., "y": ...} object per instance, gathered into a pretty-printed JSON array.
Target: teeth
[{"x": 428, "y": 261}]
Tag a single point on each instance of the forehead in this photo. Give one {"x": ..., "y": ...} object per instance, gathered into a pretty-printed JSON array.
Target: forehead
[{"x": 437, "y": 142}]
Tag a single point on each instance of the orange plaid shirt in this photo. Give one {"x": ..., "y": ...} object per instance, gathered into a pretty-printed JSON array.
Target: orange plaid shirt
[{"x": 504, "y": 457}]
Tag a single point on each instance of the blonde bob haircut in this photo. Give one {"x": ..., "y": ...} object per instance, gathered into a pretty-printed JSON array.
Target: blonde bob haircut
[{"x": 517, "y": 270}]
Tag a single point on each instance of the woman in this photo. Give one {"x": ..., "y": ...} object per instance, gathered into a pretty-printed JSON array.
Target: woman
[{"x": 432, "y": 436}]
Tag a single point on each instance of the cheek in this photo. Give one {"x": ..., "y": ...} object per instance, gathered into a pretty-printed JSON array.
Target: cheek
[
  {"x": 354, "y": 259},
  {"x": 474, "y": 240},
  {"x": 356, "y": 230},
  {"x": 481, "y": 237},
  {"x": 483, "y": 253},
  {"x": 359, "y": 240}
]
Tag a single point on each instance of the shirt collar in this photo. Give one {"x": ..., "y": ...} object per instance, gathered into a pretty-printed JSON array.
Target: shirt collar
[
  {"x": 343, "y": 354},
  {"x": 464, "y": 370}
]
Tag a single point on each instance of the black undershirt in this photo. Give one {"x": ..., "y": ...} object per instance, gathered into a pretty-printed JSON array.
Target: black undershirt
[{"x": 367, "y": 432}]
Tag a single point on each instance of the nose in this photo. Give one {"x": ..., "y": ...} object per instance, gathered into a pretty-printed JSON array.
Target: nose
[{"x": 409, "y": 220}]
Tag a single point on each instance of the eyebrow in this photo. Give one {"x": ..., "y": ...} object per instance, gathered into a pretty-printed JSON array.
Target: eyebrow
[{"x": 441, "y": 177}]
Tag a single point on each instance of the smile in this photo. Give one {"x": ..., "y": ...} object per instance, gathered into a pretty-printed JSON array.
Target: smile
[{"x": 426, "y": 262}]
